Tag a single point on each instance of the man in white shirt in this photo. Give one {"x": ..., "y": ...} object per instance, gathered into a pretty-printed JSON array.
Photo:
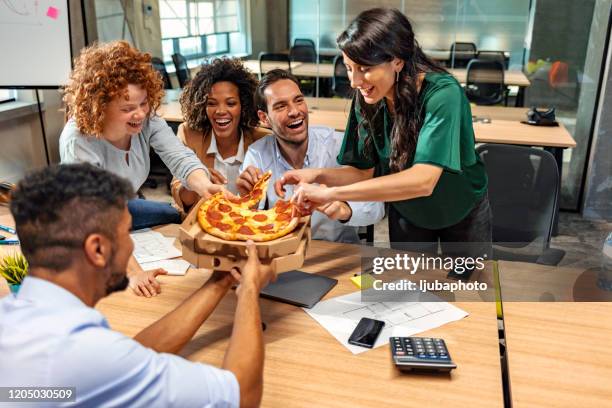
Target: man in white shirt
[
  {"x": 74, "y": 225},
  {"x": 295, "y": 145}
]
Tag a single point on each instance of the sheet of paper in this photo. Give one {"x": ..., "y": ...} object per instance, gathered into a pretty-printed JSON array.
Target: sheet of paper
[
  {"x": 405, "y": 315},
  {"x": 172, "y": 266},
  {"x": 152, "y": 246}
]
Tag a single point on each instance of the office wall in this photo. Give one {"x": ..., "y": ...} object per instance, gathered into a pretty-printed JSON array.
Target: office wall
[{"x": 490, "y": 24}]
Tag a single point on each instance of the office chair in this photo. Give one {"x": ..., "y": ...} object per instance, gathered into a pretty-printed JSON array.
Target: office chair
[
  {"x": 341, "y": 85},
  {"x": 306, "y": 42},
  {"x": 493, "y": 56},
  {"x": 307, "y": 54},
  {"x": 523, "y": 193},
  {"x": 282, "y": 59},
  {"x": 485, "y": 82},
  {"x": 160, "y": 67},
  {"x": 182, "y": 71},
  {"x": 461, "y": 53}
]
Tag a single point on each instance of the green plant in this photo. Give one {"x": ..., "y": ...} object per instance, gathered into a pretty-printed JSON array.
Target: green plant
[{"x": 14, "y": 268}]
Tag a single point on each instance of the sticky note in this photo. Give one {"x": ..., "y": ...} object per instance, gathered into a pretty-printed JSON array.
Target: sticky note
[
  {"x": 363, "y": 281},
  {"x": 53, "y": 13}
]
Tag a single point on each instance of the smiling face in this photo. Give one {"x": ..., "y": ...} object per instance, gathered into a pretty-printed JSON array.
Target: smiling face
[
  {"x": 223, "y": 109},
  {"x": 287, "y": 111},
  {"x": 125, "y": 116},
  {"x": 373, "y": 82}
]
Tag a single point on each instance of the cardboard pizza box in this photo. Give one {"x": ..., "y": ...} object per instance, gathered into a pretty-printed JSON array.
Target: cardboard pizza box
[
  {"x": 207, "y": 251},
  {"x": 226, "y": 263}
]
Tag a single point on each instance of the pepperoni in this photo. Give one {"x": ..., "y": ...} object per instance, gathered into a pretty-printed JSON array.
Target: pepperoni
[
  {"x": 245, "y": 230},
  {"x": 265, "y": 228},
  {"x": 234, "y": 214},
  {"x": 256, "y": 192},
  {"x": 278, "y": 209},
  {"x": 214, "y": 215},
  {"x": 260, "y": 217},
  {"x": 283, "y": 217},
  {"x": 245, "y": 198},
  {"x": 223, "y": 227},
  {"x": 224, "y": 208},
  {"x": 239, "y": 220}
]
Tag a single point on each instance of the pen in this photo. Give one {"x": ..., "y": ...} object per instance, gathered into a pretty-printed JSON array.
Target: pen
[
  {"x": 9, "y": 242},
  {"x": 7, "y": 229}
]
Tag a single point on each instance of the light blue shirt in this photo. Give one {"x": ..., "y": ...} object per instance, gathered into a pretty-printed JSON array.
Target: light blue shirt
[
  {"x": 323, "y": 146},
  {"x": 48, "y": 337}
]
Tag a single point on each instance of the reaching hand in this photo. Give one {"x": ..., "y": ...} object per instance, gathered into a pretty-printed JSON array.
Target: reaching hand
[
  {"x": 249, "y": 177},
  {"x": 336, "y": 210},
  {"x": 253, "y": 274},
  {"x": 143, "y": 283},
  {"x": 216, "y": 177},
  {"x": 311, "y": 196},
  {"x": 295, "y": 177}
]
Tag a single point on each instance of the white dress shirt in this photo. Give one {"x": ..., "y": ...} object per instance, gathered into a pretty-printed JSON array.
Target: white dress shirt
[
  {"x": 323, "y": 147},
  {"x": 50, "y": 338},
  {"x": 229, "y": 167}
]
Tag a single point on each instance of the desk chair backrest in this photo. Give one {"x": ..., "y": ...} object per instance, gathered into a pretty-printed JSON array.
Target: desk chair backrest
[
  {"x": 485, "y": 82},
  {"x": 282, "y": 59},
  {"x": 461, "y": 53},
  {"x": 303, "y": 42},
  {"x": 303, "y": 53},
  {"x": 523, "y": 193},
  {"x": 341, "y": 85},
  {"x": 182, "y": 70},
  {"x": 493, "y": 56},
  {"x": 160, "y": 67}
]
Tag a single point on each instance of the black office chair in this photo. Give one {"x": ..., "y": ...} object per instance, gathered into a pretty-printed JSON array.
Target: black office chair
[
  {"x": 341, "y": 86},
  {"x": 281, "y": 59},
  {"x": 182, "y": 70},
  {"x": 304, "y": 42},
  {"x": 159, "y": 66},
  {"x": 523, "y": 193},
  {"x": 493, "y": 56},
  {"x": 485, "y": 83},
  {"x": 461, "y": 53}
]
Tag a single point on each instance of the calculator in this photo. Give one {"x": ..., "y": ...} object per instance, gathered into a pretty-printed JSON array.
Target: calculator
[{"x": 420, "y": 353}]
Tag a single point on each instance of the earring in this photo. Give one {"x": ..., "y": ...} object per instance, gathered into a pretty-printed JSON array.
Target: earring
[{"x": 396, "y": 76}]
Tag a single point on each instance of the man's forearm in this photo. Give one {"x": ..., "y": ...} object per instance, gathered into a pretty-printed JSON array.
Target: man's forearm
[
  {"x": 199, "y": 182},
  {"x": 247, "y": 334},
  {"x": 133, "y": 267},
  {"x": 170, "y": 333}
]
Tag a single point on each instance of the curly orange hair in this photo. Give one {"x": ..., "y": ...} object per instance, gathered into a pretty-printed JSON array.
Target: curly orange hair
[{"x": 101, "y": 73}]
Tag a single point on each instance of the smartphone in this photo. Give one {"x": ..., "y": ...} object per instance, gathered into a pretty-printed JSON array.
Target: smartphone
[{"x": 366, "y": 332}]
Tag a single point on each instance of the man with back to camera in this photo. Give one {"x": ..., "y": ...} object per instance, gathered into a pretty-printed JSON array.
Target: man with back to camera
[
  {"x": 74, "y": 228},
  {"x": 296, "y": 145}
]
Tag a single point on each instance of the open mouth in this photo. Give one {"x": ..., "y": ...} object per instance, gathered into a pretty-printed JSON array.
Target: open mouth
[
  {"x": 223, "y": 123},
  {"x": 296, "y": 124},
  {"x": 367, "y": 91},
  {"x": 135, "y": 125}
]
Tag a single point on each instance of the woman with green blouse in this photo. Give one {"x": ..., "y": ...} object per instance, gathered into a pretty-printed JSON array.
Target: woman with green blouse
[{"x": 409, "y": 141}]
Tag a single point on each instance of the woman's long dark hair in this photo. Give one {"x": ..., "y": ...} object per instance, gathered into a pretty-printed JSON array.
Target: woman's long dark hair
[{"x": 377, "y": 36}]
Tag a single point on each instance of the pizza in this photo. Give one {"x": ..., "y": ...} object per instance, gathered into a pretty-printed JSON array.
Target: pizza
[{"x": 239, "y": 220}]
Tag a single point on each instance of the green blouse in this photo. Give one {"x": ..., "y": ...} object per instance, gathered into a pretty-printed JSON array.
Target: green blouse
[{"x": 446, "y": 139}]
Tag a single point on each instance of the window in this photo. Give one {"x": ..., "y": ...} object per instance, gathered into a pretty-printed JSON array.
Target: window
[
  {"x": 201, "y": 28},
  {"x": 7, "y": 95}
]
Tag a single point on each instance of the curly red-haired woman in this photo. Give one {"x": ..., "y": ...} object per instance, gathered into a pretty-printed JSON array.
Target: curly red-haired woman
[{"x": 111, "y": 101}]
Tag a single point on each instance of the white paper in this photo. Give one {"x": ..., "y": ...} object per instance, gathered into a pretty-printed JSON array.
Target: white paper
[
  {"x": 412, "y": 313},
  {"x": 172, "y": 266},
  {"x": 152, "y": 246}
]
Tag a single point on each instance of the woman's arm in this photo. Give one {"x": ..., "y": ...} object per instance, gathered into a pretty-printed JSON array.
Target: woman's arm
[
  {"x": 417, "y": 181},
  {"x": 337, "y": 176}
]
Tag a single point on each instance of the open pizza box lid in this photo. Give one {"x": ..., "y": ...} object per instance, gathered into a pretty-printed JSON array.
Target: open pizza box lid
[{"x": 207, "y": 251}]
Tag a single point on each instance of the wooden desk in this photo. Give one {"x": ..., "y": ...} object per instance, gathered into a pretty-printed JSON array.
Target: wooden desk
[
  {"x": 559, "y": 353},
  {"x": 326, "y": 70},
  {"x": 306, "y": 367}
]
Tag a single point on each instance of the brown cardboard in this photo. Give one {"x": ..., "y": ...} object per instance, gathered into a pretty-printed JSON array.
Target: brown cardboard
[{"x": 207, "y": 251}]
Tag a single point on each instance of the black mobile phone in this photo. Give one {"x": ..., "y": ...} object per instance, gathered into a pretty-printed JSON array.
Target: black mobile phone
[{"x": 366, "y": 332}]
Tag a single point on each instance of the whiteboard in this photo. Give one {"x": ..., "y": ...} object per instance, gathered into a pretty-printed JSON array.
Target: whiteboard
[{"x": 34, "y": 43}]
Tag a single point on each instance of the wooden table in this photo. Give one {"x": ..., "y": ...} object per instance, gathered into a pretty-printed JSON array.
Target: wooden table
[
  {"x": 559, "y": 353},
  {"x": 306, "y": 367}
]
